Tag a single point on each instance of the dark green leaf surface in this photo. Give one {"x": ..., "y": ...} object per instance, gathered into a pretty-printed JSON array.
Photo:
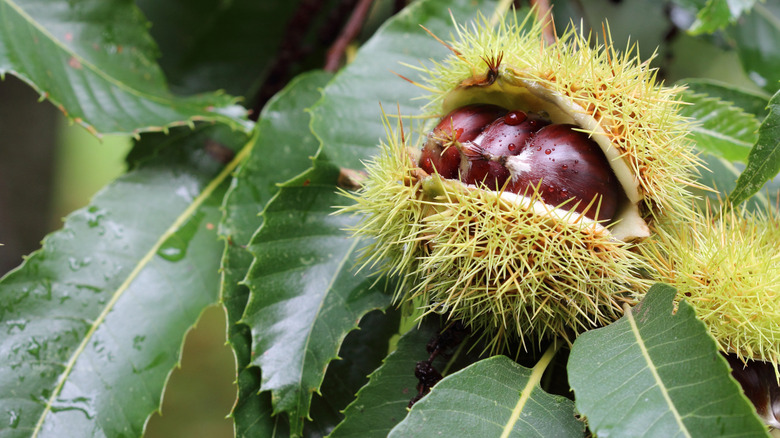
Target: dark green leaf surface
[
  {"x": 491, "y": 398},
  {"x": 208, "y": 45},
  {"x": 361, "y": 353},
  {"x": 748, "y": 100},
  {"x": 756, "y": 36},
  {"x": 281, "y": 138},
  {"x": 381, "y": 404},
  {"x": 764, "y": 159},
  {"x": 720, "y": 128},
  {"x": 656, "y": 373},
  {"x": 304, "y": 293},
  {"x": 95, "y": 60},
  {"x": 93, "y": 322},
  {"x": 348, "y": 120}
]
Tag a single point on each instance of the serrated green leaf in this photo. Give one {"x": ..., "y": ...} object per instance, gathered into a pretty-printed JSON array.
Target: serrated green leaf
[
  {"x": 96, "y": 62},
  {"x": 382, "y": 403},
  {"x": 748, "y": 100},
  {"x": 720, "y": 176},
  {"x": 756, "y": 37},
  {"x": 361, "y": 353},
  {"x": 764, "y": 160},
  {"x": 208, "y": 45},
  {"x": 304, "y": 293},
  {"x": 93, "y": 322},
  {"x": 656, "y": 373},
  {"x": 348, "y": 119},
  {"x": 717, "y": 14},
  {"x": 494, "y": 397},
  {"x": 720, "y": 128},
  {"x": 281, "y": 149}
]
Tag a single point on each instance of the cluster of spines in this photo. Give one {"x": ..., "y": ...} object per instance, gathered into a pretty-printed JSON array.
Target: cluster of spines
[
  {"x": 500, "y": 264},
  {"x": 727, "y": 267},
  {"x": 493, "y": 263},
  {"x": 382, "y": 201},
  {"x": 619, "y": 90}
]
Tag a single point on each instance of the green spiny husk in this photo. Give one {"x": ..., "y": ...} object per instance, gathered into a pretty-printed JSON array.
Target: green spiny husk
[
  {"x": 727, "y": 266},
  {"x": 496, "y": 264}
]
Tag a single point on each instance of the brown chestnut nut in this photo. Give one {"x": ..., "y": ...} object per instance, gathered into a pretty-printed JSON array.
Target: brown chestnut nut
[
  {"x": 444, "y": 160},
  {"x": 440, "y": 154},
  {"x": 504, "y": 137},
  {"x": 509, "y": 134},
  {"x": 483, "y": 171},
  {"x": 566, "y": 165}
]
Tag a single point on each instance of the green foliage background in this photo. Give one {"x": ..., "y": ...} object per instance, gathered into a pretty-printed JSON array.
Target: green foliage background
[{"x": 216, "y": 209}]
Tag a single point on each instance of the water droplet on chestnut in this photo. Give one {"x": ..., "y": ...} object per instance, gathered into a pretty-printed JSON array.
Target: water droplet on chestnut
[
  {"x": 518, "y": 132},
  {"x": 515, "y": 118}
]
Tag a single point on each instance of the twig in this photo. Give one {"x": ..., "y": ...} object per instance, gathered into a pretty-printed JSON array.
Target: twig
[
  {"x": 350, "y": 32},
  {"x": 543, "y": 11},
  {"x": 335, "y": 22},
  {"x": 290, "y": 52}
]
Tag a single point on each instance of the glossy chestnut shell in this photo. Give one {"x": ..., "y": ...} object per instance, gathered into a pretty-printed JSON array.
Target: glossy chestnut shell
[
  {"x": 441, "y": 153},
  {"x": 566, "y": 166},
  {"x": 518, "y": 152}
]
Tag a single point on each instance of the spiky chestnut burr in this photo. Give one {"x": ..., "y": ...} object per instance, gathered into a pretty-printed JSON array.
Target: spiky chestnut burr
[
  {"x": 510, "y": 267},
  {"x": 513, "y": 265},
  {"x": 727, "y": 267},
  {"x": 611, "y": 96}
]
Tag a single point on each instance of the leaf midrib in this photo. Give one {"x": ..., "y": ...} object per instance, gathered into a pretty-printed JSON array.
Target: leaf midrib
[
  {"x": 651, "y": 366},
  {"x": 166, "y": 100},
  {"x": 180, "y": 220},
  {"x": 533, "y": 380}
]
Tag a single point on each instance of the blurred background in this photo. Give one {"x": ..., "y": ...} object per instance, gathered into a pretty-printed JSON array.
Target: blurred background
[{"x": 49, "y": 168}]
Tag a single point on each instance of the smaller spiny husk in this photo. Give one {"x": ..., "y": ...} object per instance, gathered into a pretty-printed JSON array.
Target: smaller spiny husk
[{"x": 727, "y": 266}]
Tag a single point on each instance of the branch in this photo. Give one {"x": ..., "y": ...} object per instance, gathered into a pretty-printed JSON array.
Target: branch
[
  {"x": 544, "y": 12},
  {"x": 350, "y": 32}
]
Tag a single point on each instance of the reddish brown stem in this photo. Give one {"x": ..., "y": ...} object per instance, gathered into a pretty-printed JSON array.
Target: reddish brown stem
[
  {"x": 544, "y": 13},
  {"x": 350, "y": 32}
]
